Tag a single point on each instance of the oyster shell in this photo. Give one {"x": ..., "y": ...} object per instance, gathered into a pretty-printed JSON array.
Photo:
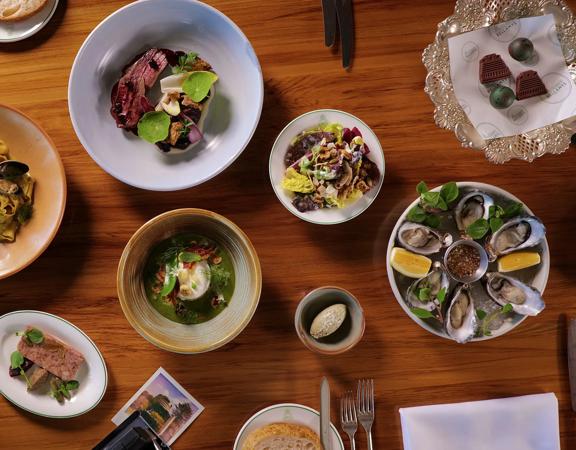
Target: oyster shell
[
  {"x": 328, "y": 321},
  {"x": 421, "y": 239},
  {"x": 435, "y": 281},
  {"x": 519, "y": 233},
  {"x": 471, "y": 207},
  {"x": 461, "y": 321},
  {"x": 524, "y": 299}
]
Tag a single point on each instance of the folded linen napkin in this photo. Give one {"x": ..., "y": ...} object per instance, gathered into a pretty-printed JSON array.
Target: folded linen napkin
[{"x": 518, "y": 423}]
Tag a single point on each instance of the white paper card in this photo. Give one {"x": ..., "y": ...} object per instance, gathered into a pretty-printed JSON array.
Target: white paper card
[{"x": 467, "y": 49}]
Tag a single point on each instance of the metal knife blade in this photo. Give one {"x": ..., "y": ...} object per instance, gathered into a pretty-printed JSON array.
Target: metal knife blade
[
  {"x": 572, "y": 360},
  {"x": 329, "y": 12},
  {"x": 325, "y": 437},
  {"x": 345, "y": 13}
]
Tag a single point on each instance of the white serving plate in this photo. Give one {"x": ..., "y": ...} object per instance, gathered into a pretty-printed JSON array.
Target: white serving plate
[
  {"x": 186, "y": 25},
  {"x": 276, "y": 167},
  {"x": 93, "y": 376},
  {"x": 539, "y": 281},
  {"x": 290, "y": 413},
  {"x": 22, "y": 29}
]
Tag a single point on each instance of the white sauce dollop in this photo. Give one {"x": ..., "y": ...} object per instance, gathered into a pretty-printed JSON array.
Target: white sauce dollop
[{"x": 194, "y": 282}]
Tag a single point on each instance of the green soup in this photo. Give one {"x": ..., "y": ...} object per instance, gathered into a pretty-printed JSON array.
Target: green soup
[{"x": 189, "y": 279}]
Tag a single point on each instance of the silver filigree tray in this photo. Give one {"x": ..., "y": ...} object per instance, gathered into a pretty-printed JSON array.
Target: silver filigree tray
[{"x": 470, "y": 15}]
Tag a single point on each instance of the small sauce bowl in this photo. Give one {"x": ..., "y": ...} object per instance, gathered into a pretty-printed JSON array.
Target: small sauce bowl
[
  {"x": 482, "y": 266},
  {"x": 346, "y": 336}
]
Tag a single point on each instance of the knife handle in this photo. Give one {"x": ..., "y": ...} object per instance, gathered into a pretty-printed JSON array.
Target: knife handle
[{"x": 572, "y": 360}]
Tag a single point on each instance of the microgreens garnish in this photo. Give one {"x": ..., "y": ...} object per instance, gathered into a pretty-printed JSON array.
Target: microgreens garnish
[
  {"x": 16, "y": 362},
  {"x": 424, "y": 294},
  {"x": 33, "y": 335},
  {"x": 60, "y": 390},
  {"x": 487, "y": 319},
  {"x": 185, "y": 63}
]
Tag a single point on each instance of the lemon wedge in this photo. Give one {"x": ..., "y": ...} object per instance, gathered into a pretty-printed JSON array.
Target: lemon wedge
[
  {"x": 410, "y": 264},
  {"x": 518, "y": 261}
]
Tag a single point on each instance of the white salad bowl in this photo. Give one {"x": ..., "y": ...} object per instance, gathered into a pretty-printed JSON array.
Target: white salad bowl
[
  {"x": 277, "y": 168},
  {"x": 186, "y": 25},
  {"x": 93, "y": 376}
]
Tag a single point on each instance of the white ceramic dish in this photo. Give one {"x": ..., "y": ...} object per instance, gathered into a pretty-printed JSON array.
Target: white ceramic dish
[
  {"x": 22, "y": 29},
  {"x": 186, "y": 25},
  {"x": 93, "y": 376},
  {"x": 277, "y": 168},
  {"x": 286, "y": 412},
  {"x": 538, "y": 281}
]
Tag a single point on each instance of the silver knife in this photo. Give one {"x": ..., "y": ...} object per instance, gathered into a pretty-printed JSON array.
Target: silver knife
[
  {"x": 345, "y": 15},
  {"x": 329, "y": 12},
  {"x": 325, "y": 437},
  {"x": 572, "y": 360}
]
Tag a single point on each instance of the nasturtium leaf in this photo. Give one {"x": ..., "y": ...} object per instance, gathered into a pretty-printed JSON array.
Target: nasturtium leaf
[
  {"x": 189, "y": 257},
  {"x": 421, "y": 187},
  {"x": 449, "y": 192},
  {"x": 478, "y": 229},
  {"x": 421, "y": 313},
  {"x": 35, "y": 336},
  {"x": 198, "y": 84},
  {"x": 154, "y": 126},
  {"x": 16, "y": 359}
]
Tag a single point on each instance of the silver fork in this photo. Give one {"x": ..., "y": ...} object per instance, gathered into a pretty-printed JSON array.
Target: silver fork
[
  {"x": 348, "y": 419},
  {"x": 365, "y": 407}
]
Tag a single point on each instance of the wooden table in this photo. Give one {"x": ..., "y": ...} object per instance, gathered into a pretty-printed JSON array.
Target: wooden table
[{"x": 266, "y": 364}]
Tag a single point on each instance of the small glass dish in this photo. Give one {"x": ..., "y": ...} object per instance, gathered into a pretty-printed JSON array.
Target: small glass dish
[{"x": 482, "y": 266}]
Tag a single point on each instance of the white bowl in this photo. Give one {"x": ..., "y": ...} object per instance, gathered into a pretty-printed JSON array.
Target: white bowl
[
  {"x": 185, "y": 25},
  {"x": 93, "y": 376},
  {"x": 539, "y": 281},
  {"x": 326, "y": 216},
  {"x": 22, "y": 29}
]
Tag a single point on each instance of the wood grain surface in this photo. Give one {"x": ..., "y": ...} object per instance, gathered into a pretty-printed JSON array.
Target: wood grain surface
[{"x": 267, "y": 364}]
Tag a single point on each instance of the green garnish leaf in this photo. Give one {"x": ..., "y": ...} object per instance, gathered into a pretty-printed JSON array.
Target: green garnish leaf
[
  {"x": 169, "y": 278},
  {"x": 495, "y": 211},
  {"x": 449, "y": 192},
  {"x": 154, "y": 126},
  {"x": 219, "y": 277},
  {"x": 35, "y": 336},
  {"x": 478, "y": 229},
  {"x": 16, "y": 359},
  {"x": 481, "y": 314},
  {"x": 442, "y": 204},
  {"x": 421, "y": 187},
  {"x": 185, "y": 62},
  {"x": 416, "y": 214},
  {"x": 421, "y": 313},
  {"x": 441, "y": 296},
  {"x": 431, "y": 198},
  {"x": 495, "y": 224},
  {"x": 432, "y": 221},
  {"x": 189, "y": 257},
  {"x": 72, "y": 384},
  {"x": 507, "y": 308},
  {"x": 424, "y": 294},
  {"x": 513, "y": 210},
  {"x": 198, "y": 84},
  {"x": 24, "y": 213}
]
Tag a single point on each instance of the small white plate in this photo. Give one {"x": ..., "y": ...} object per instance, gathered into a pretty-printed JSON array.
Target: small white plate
[
  {"x": 276, "y": 167},
  {"x": 92, "y": 376},
  {"x": 185, "y": 25},
  {"x": 287, "y": 413},
  {"x": 22, "y": 29}
]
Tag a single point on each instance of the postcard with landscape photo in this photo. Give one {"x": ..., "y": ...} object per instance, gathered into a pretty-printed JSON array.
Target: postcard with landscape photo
[{"x": 164, "y": 404}]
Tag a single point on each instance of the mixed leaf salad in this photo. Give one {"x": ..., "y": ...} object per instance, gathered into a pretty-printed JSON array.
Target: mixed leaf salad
[
  {"x": 327, "y": 166},
  {"x": 174, "y": 123}
]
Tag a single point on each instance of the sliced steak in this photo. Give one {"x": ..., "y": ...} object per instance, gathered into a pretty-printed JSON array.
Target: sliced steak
[{"x": 53, "y": 355}]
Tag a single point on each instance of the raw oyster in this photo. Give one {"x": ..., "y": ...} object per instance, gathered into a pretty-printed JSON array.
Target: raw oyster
[
  {"x": 524, "y": 299},
  {"x": 461, "y": 321},
  {"x": 328, "y": 321},
  {"x": 422, "y": 239},
  {"x": 515, "y": 235},
  {"x": 435, "y": 281},
  {"x": 473, "y": 206}
]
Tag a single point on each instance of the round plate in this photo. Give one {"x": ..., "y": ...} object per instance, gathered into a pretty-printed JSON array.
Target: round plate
[
  {"x": 538, "y": 275},
  {"x": 185, "y": 25},
  {"x": 92, "y": 376},
  {"x": 276, "y": 167},
  {"x": 29, "y": 143},
  {"x": 22, "y": 29},
  {"x": 286, "y": 412}
]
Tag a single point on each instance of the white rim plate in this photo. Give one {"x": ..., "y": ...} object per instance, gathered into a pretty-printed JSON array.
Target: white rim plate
[
  {"x": 290, "y": 413},
  {"x": 22, "y": 29},
  {"x": 186, "y": 25},
  {"x": 539, "y": 281},
  {"x": 93, "y": 376},
  {"x": 276, "y": 168}
]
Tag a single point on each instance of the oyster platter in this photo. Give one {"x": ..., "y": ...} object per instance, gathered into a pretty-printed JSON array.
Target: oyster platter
[{"x": 468, "y": 261}]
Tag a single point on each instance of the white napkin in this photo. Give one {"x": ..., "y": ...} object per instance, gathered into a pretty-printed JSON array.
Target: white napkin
[{"x": 517, "y": 423}]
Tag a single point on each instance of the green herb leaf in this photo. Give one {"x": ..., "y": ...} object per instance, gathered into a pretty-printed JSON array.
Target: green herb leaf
[
  {"x": 416, "y": 214},
  {"x": 189, "y": 257},
  {"x": 481, "y": 314},
  {"x": 478, "y": 229},
  {"x": 35, "y": 336},
  {"x": 219, "y": 277},
  {"x": 24, "y": 213},
  {"x": 421, "y": 313},
  {"x": 198, "y": 84},
  {"x": 449, "y": 192},
  {"x": 507, "y": 308},
  {"x": 442, "y": 204},
  {"x": 495, "y": 211},
  {"x": 72, "y": 384},
  {"x": 169, "y": 278},
  {"x": 431, "y": 198},
  {"x": 185, "y": 62},
  {"x": 424, "y": 294},
  {"x": 16, "y": 359},
  {"x": 441, "y": 296},
  {"x": 513, "y": 210},
  {"x": 154, "y": 126},
  {"x": 495, "y": 224},
  {"x": 432, "y": 221},
  {"x": 421, "y": 188}
]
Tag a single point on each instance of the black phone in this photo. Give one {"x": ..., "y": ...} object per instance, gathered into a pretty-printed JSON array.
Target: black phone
[{"x": 133, "y": 434}]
